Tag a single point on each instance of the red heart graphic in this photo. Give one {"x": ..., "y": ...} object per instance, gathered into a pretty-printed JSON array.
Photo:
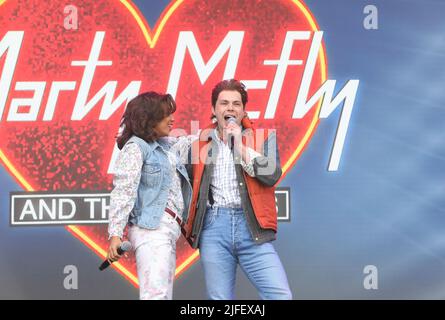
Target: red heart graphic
[{"x": 47, "y": 148}]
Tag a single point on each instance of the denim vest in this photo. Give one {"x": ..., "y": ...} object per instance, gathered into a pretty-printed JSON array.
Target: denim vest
[{"x": 153, "y": 189}]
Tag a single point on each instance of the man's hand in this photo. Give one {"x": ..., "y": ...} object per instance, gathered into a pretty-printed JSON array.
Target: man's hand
[{"x": 234, "y": 130}]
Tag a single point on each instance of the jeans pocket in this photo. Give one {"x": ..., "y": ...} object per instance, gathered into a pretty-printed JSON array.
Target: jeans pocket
[{"x": 209, "y": 219}]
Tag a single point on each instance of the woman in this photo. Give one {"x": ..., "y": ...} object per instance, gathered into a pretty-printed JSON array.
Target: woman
[{"x": 151, "y": 192}]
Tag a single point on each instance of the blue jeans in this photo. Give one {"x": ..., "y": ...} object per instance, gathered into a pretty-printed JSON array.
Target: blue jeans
[{"x": 226, "y": 242}]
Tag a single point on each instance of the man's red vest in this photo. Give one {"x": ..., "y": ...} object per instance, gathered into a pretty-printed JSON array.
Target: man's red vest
[{"x": 262, "y": 197}]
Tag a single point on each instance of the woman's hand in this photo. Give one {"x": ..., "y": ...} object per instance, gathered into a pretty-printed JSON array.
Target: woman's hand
[{"x": 115, "y": 243}]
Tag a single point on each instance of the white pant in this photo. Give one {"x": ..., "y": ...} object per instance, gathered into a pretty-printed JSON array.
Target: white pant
[{"x": 155, "y": 252}]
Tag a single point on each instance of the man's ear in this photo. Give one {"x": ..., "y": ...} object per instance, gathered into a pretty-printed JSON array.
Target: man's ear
[{"x": 213, "y": 111}]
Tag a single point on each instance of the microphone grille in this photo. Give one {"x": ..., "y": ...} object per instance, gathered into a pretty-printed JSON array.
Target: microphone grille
[{"x": 126, "y": 246}]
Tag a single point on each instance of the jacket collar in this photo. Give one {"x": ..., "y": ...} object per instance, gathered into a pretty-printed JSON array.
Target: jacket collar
[{"x": 159, "y": 143}]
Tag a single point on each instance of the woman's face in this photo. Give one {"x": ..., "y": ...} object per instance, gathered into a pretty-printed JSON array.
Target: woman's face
[{"x": 164, "y": 127}]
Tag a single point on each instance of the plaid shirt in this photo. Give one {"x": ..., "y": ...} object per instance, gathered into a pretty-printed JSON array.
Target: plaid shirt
[{"x": 223, "y": 184}]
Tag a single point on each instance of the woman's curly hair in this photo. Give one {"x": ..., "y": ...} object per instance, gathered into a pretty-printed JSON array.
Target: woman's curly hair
[{"x": 143, "y": 113}]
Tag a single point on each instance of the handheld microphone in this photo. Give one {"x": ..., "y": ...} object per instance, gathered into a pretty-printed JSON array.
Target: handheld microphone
[
  {"x": 231, "y": 119},
  {"x": 231, "y": 137},
  {"x": 124, "y": 247}
]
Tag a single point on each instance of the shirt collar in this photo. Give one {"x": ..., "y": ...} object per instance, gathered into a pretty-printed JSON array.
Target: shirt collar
[{"x": 215, "y": 135}]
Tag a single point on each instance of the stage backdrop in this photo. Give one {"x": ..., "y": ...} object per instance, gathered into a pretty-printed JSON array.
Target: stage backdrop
[{"x": 352, "y": 88}]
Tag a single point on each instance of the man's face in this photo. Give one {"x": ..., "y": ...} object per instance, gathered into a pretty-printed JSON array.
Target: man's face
[{"x": 228, "y": 104}]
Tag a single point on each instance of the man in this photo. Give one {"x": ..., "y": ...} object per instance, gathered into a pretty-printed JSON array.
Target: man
[{"x": 233, "y": 218}]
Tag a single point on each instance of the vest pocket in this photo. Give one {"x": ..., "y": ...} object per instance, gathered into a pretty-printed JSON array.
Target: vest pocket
[{"x": 151, "y": 174}]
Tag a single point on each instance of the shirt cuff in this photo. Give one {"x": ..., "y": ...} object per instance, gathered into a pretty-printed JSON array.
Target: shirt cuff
[
  {"x": 114, "y": 235},
  {"x": 248, "y": 167},
  {"x": 116, "y": 232}
]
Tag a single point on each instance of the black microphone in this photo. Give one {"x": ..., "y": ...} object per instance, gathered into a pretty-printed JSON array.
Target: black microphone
[{"x": 124, "y": 247}]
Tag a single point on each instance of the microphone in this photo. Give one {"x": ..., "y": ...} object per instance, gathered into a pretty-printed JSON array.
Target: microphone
[
  {"x": 231, "y": 119},
  {"x": 124, "y": 247},
  {"x": 231, "y": 137}
]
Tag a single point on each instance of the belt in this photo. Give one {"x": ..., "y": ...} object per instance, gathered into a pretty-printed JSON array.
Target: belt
[
  {"x": 181, "y": 224},
  {"x": 177, "y": 218}
]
